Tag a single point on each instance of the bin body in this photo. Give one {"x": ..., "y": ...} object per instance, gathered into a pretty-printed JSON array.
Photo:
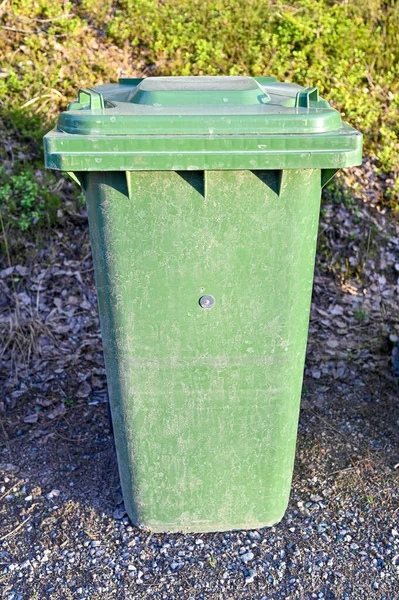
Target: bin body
[{"x": 204, "y": 401}]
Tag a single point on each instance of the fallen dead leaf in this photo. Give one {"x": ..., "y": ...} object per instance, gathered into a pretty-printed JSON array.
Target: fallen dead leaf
[
  {"x": 84, "y": 390},
  {"x": 31, "y": 418},
  {"x": 57, "y": 411}
]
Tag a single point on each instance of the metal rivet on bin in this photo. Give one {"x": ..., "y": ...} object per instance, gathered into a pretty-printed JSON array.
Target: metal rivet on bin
[{"x": 207, "y": 301}]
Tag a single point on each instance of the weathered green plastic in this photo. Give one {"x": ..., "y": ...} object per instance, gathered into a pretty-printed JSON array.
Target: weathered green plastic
[{"x": 195, "y": 187}]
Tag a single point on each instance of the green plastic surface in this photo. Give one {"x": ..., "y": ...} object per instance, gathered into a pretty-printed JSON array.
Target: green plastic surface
[
  {"x": 204, "y": 402},
  {"x": 196, "y": 123},
  {"x": 203, "y": 197}
]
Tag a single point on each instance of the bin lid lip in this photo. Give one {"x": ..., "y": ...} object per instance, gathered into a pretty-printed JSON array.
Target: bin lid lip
[{"x": 198, "y": 106}]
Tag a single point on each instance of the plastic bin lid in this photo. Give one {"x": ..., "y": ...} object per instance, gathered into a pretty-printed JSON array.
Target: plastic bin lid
[
  {"x": 199, "y": 105},
  {"x": 223, "y": 112}
]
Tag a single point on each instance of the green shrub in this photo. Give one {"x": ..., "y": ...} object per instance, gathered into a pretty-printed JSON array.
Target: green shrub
[
  {"x": 349, "y": 49},
  {"x": 24, "y": 202}
]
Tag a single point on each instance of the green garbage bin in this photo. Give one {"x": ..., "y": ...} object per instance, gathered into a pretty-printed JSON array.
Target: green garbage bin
[{"x": 203, "y": 197}]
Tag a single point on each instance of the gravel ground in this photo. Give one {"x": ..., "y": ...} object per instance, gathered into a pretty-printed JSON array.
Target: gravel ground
[{"x": 64, "y": 533}]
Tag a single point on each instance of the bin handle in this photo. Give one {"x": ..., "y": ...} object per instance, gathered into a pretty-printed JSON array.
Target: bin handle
[
  {"x": 87, "y": 97},
  {"x": 306, "y": 96}
]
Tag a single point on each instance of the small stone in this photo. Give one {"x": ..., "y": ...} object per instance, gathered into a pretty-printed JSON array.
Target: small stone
[
  {"x": 95, "y": 544},
  {"x": 53, "y": 494},
  {"x": 199, "y": 542},
  {"x": 354, "y": 546},
  {"x": 139, "y": 579},
  {"x": 315, "y": 498},
  {"x": 247, "y": 557},
  {"x": 250, "y": 576}
]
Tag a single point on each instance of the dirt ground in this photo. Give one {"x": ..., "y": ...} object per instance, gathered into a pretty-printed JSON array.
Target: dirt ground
[{"x": 64, "y": 533}]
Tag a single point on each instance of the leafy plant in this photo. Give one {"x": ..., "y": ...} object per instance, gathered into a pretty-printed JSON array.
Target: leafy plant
[
  {"x": 23, "y": 201},
  {"x": 349, "y": 49},
  {"x": 360, "y": 314},
  {"x": 69, "y": 401},
  {"x": 212, "y": 561}
]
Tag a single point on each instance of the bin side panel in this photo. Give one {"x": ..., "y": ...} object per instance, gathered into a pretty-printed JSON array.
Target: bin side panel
[{"x": 205, "y": 402}]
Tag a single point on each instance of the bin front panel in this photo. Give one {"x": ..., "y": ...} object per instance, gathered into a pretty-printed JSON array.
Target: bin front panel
[{"x": 205, "y": 402}]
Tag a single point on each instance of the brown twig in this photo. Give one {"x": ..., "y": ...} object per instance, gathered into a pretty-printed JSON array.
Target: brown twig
[
  {"x": 10, "y": 533},
  {"x": 60, "y": 18},
  {"x": 37, "y": 32},
  {"x": 149, "y": 538},
  {"x": 16, "y": 30}
]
